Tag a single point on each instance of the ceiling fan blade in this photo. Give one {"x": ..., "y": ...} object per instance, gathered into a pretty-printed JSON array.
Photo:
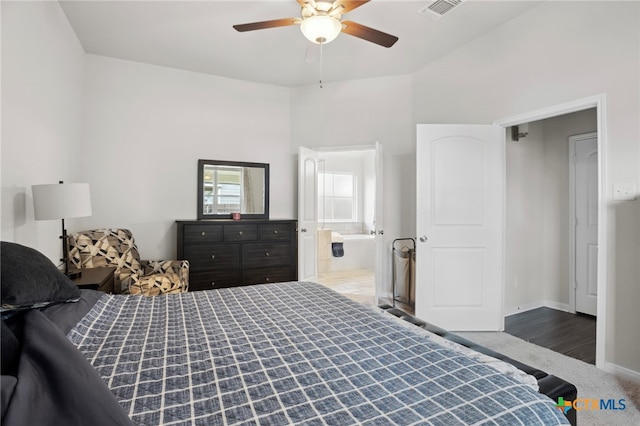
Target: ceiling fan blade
[
  {"x": 310, "y": 5},
  {"x": 369, "y": 34},
  {"x": 345, "y": 6},
  {"x": 266, "y": 24}
]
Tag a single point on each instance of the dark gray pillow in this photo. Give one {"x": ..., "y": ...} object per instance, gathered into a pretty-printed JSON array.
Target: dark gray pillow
[
  {"x": 31, "y": 280},
  {"x": 10, "y": 349}
]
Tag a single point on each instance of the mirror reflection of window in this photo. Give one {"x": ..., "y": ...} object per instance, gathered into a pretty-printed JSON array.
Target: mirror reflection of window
[{"x": 222, "y": 189}]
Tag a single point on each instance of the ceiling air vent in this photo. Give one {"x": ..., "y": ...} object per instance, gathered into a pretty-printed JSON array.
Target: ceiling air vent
[{"x": 440, "y": 7}]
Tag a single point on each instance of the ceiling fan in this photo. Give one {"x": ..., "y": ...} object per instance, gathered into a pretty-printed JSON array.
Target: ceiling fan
[{"x": 320, "y": 23}]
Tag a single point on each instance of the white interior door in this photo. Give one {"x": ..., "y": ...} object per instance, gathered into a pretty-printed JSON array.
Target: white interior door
[
  {"x": 460, "y": 197},
  {"x": 585, "y": 195},
  {"x": 307, "y": 214},
  {"x": 381, "y": 254}
]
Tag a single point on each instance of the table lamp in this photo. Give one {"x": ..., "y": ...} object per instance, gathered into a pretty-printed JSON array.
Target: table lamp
[{"x": 60, "y": 201}]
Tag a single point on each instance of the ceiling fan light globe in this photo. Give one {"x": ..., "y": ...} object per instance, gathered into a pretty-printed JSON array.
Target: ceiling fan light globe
[{"x": 321, "y": 28}]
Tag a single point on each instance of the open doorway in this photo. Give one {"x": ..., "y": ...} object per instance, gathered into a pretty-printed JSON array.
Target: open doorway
[
  {"x": 551, "y": 236},
  {"x": 346, "y": 200}
]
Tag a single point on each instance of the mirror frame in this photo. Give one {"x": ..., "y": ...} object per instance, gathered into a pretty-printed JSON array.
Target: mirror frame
[{"x": 201, "y": 166}]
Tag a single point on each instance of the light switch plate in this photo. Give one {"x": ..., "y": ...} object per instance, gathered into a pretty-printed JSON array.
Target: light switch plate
[{"x": 624, "y": 191}]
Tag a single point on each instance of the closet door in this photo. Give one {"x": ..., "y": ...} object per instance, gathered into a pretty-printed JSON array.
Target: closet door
[{"x": 583, "y": 149}]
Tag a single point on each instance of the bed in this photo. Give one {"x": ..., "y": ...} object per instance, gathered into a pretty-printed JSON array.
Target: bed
[{"x": 286, "y": 353}]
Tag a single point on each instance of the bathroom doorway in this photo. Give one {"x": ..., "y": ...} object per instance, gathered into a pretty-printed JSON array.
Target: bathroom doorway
[{"x": 346, "y": 230}]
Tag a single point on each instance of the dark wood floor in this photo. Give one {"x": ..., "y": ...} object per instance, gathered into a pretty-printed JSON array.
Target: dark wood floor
[{"x": 573, "y": 335}]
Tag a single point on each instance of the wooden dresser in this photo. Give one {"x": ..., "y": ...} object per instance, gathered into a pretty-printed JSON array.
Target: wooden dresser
[{"x": 228, "y": 253}]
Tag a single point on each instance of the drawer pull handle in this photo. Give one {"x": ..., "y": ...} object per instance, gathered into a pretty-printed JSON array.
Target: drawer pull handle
[
  {"x": 266, "y": 253},
  {"x": 275, "y": 232},
  {"x": 213, "y": 283},
  {"x": 240, "y": 233},
  {"x": 267, "y": 279},
  {"x": 213, "y": 257},
  {"x": 203, "y": 233}
]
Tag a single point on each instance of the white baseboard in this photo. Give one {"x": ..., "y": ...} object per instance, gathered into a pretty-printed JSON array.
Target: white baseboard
[
  {"x": 623, "y": 372},
  {"x": 564, "y": 307},
  {"x": 535, "y": 305}
]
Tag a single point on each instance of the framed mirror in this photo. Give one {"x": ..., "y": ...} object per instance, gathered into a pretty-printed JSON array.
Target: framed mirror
[{"x": 228, "y": 187}]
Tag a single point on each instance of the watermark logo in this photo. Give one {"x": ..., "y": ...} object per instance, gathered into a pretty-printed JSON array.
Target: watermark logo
[
  {"x": 580, "y": 404},
  {"x": 563, "y": 405}
]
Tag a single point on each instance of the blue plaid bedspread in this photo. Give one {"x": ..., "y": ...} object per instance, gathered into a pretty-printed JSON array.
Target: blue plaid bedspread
[{"x": 289, "y": 353}]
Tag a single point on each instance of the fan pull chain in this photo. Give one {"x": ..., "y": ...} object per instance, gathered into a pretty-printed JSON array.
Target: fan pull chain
[{"x": 321, "y": 43}]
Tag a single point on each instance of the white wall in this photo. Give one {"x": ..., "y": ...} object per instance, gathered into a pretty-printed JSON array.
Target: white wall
[
  {"x": 133, "y": 131},
  {"x": 41, "y": 114},
  {"x": 146, "y": 126},
  {"x": 524, "y": 252},
  {"x": 537, "y": 213},
  {"x": 552, "y": 54}
]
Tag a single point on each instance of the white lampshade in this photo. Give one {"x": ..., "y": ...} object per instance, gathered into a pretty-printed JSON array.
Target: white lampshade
[
  {"x": 321, "y": 28},
  {"x": 61, "y": 200}
]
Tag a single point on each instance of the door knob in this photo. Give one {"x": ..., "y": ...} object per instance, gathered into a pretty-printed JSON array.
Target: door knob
[
  {"x": 424, "y": 239},
  {"x": 303, "y": 229}
]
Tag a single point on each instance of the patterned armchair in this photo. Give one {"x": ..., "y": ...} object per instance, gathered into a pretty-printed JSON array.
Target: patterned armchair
[{"x": 116, "y": 247}]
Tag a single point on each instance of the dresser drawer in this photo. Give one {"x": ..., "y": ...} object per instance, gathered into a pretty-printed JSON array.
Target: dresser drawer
[
  {"x": 213, "y": 256},
  {"x": 202, "y": 234},
  {"x": 256, "y": 255},
  {"x": 274, "y": 232},
  {"x": 248, "y": 232},
  {"x": 274, "y": 274},
  {"x": 214, "y": 279}
]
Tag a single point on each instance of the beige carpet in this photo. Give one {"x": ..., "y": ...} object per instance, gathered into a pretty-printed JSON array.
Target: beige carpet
[{"x": 590, "y": 381}]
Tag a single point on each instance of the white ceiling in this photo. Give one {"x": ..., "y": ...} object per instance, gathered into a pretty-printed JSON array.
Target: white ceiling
[{"x": 198, "y": 36}]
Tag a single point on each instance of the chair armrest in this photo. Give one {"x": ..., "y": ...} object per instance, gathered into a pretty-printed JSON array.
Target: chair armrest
[
  {"x": 164, "y": 266},
  {"x": 179, "y": 267}
]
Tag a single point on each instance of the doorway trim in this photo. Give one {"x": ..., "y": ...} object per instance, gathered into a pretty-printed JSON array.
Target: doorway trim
[{"x": 598, "y": 102}]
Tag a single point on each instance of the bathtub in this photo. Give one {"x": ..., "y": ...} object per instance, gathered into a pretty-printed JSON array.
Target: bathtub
[{"x": 359, "y": 253}]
